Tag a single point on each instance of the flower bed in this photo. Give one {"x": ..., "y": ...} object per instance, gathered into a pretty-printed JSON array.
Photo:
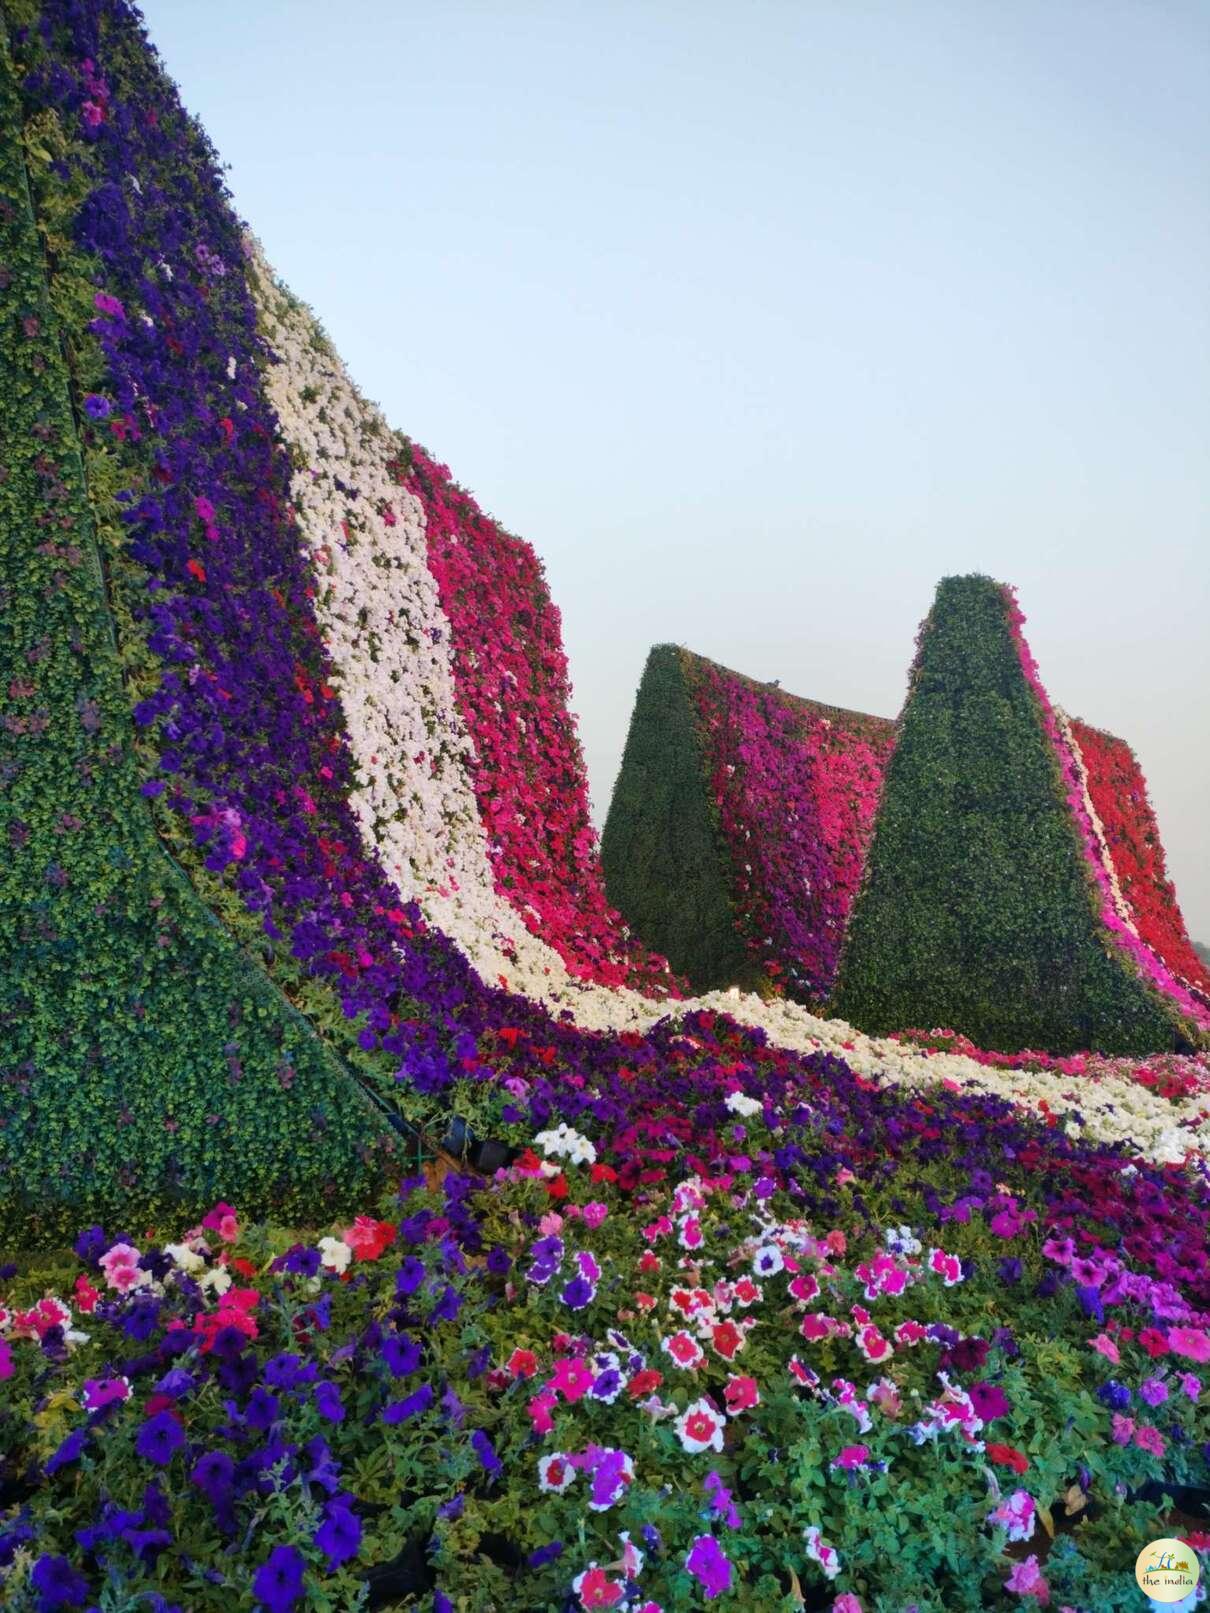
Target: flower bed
[
  {"x": 1144, "y": 961},
  {"x": 771, "y": 1382}
]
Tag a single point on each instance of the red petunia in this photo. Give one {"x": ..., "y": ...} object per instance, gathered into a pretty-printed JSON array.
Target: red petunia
[{"x": 1008, "y": 1456}]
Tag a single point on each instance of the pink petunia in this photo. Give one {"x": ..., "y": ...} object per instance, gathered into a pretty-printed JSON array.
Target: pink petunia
[
  {"x": 1149, "y": 1439},
  {"x": 1123, "y": 1429},
  {"x": 741, "y": 1394},
  {"x": 595, "y": 1588},
  {"x": 852, "y": 1456},
  {"x": 1027, "y": 1579},
  {"x": 1191, "y": 1342},
  {"x": 572, "y": 1379},
  {"x": 872, "y": 1345},
  {"x": 122, "y": 1270},
  {"x": 684, "y": 1350}
]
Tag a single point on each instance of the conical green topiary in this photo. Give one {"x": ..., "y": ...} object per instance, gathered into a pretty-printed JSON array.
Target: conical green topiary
[{"x": 978, "y": 910}]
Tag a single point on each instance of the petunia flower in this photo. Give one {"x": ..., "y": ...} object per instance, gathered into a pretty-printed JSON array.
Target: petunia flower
[
  {"x": 572, "y": 1378},
  {"x": 594, "y": 1588},
  {"x": 740, "y": 1394},
  {"x": 339, "y": 1535},
  {"x": 100, "y": 1392},
  {"x": 1016, "y": 1513},
  {"x": 821, "y": 1552},
  {"x": 1191, "y": 1342},
  {"x": 555, "y": 1473},
  {"x": 699, "y": 1428},
  {"x": 708, "y": 1564},
  {"x": 278, "y": 1582},
  {"x": 401, "y": 1353},
  {"x": 57, "y": 1583},
  {"x": 159, "y": 1439},
  {"x": 1027, "y": 1579},
  {"x": 401, "y": 1411}
]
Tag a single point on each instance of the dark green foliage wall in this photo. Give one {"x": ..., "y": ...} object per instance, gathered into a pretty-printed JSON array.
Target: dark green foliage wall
[
  {"x": 666, "y": 866},
  {"x": 147, "y": 1066},
  {"x": 976, "y": 913}
]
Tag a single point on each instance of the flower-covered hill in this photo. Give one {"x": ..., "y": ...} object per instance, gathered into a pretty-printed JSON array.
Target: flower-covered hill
[
  {"x": 299, "y": 857},
  {"x": 737, "y": 833}
]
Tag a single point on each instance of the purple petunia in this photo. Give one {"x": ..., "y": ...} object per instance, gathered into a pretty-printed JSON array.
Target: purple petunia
[
  {"x": 484, "y": 1450},
  {"x": 721, "y": 1500},
  {"x": 989, "y": 1401},
  {"x": 69, "y": 1450},
  {"x": 160, "y": 1438},
  {"x": 339, "y": 1535},
  {"x": 545, "y": 1554},
  {"x": 409, "y": 1276},
  {"x": 578, "y": 1293},
  {"x": 328, "y": 1402},
  {"x": 214, "y": 1475},
  {"x": 278, "y": 1582},
  {"x": 92, "y": 1244},
  {"x": 401, "y": 1354},
  {"x": 302, "y": 1260},
  {"x": 57, "y": 1583},
  {"x": 96, "y": 407},
  {"x": 447, "y": 1307},
  {"x": 707, "y": 1563},
  {"x": 399, "y": 1411}
]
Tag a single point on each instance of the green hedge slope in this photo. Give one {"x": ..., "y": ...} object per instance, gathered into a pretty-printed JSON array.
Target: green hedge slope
[
  {"x": 977, "y": 911},
  {"x": 667, "y": 868},
  {"x": 125, "y": 1089}
]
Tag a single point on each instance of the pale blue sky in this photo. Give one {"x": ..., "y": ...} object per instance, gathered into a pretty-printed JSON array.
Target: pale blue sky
[{"x": 758, "y": 319}]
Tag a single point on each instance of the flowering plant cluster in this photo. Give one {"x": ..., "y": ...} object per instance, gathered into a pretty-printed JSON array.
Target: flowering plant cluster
[
  {"x": 795, "y": 786},
  {"x": 1117, "y": 797},
  {"x": 528, "y": 769},
  {"x": 750, "y": 1385}
]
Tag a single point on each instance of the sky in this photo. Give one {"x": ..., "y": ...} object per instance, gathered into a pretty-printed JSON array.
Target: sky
[{"x": 756, "y": 320}]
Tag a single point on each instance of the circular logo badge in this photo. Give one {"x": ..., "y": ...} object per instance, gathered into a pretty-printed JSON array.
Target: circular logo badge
[{"x": 1167, "y": 1570}]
